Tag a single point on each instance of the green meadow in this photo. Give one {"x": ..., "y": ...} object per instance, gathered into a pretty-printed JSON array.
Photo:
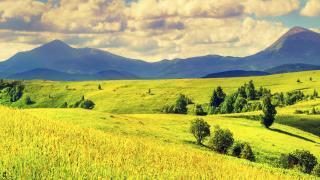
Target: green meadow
[{"x": 127, "y": 135}]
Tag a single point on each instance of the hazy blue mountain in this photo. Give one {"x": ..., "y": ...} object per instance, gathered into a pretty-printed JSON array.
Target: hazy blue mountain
[
  {"x": 58, "y": 56},
  {"x": 297, "y": 46},
  {"x": 236, "y": 73},
  {"x": 292, "y": 68},
  {"x": 115, "y": 75}
]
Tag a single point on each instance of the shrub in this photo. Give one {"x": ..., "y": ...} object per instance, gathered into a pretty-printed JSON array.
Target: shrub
[
  {"x": 221, "y": 140},
  {"x": 300, "y": 159},
  {"x": 200, "y": 129},
  {"x": 198, "y": 110},
  {"x": 87, "y": 104},
  {"x": 242, "y": 150},
  {"x": 316, "y": 170},
  {"x": 99, "y": 87},
  {"x": 247, "y": 153}
]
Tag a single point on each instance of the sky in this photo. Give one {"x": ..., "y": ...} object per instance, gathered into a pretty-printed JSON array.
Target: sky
[{"x": 153, "y": 30}]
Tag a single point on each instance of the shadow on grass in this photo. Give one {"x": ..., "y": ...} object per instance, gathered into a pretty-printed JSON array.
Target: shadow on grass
[
  {"x": 309, "y": 124},
  {"x": 293, "y": 135}
]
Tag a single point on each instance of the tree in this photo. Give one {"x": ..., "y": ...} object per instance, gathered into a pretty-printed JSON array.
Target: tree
[
  {"x": 239, "y": 104},
  {"x": 217, "y": 97},
  {"x": 64, "y": 105},
  {"x": 181, "y": 104},
  {"x": 315, "y": 94},
  {"x": 221, "y": 140},
  {"x": 250, "y": 91},
  {"x": 99, "y": 87},
  {"x": 28, "y": 100},
  {"x": 310, "y": 78},
  {"x": 298, "y": 81},
  {"x": 87, "y": 104},
  {"x": 200, "y": 130},
  {"x": 227, "y": 105},
  {"x": 82, "y": 98},
  {"x": 269, "y": 112}
]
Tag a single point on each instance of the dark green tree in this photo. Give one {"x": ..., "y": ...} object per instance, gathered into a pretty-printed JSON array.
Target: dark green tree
[
  {"x": 87, "y": 104},
  {"x": 28, "y": 100},
  {"x": 200, "y": 130},
  {"x": 99, "y": 87},
  {"x": 181, "y": 104},
  {"x": 303, "y": 160},
  {"x": 269, "y": 112},
  {"x": 250, "y": 91},
  {"x": 217, "y": 97}
]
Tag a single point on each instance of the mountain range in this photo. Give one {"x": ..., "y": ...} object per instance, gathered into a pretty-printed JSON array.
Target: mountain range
[{"x": 296, "y": 50}]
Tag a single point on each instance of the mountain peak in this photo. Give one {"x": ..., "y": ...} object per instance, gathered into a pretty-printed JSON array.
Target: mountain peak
[
  {"x": 56, "y": 44},
  {"x": 296, "y": 30}
]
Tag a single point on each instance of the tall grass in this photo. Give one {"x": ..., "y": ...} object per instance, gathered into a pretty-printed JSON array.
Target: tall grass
[{"x": 33, "y": 148}]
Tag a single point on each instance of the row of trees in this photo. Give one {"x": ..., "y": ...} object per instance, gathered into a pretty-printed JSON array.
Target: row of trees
[
  {"x": 11, "y": 91},
  {"x": 222, "y": 140}
]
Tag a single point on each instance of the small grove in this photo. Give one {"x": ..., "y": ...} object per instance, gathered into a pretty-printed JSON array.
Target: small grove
[
  {"x": 247, "y": 98},
  {"x": 223, "y": 142}
]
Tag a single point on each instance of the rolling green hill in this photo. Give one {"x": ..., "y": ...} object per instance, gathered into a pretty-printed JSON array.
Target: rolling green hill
[{"x": 125, "y": 135}]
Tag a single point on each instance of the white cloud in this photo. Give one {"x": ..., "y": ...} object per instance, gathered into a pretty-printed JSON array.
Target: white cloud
[
  {"x": 271, "y": 7},
  {"x": 20, "y": 9},
  {"x": 312, "y": 8}
]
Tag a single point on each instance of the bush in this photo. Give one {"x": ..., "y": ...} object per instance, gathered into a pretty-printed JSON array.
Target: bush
[
  {"x": 316, "y": 170},
  {"x": 87, "y": 104},
  {"x": 247, "y": 152},
  {"x": 300, "y": 159},
  {"x": 200, "y": 129},
  {"x": 221, "y": 140},
  {"x": 198, "y": 110},
  {"x": 242, "y": 150}
]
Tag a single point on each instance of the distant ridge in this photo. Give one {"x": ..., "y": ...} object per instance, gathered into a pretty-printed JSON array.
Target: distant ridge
[
  {"x": 292, "y": 68},
  {"x": 236, "y": 73}
]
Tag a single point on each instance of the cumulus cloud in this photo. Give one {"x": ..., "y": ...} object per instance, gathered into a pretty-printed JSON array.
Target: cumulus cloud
[
  {"x": 85, "y": 16},
  {"x": 146, "y": 9},
  {"x": 20, "y": 9},
  {"x": 146, "y": 29},
  {"x": 271, "y": 7},
  {"x": 311, "y": 9}
]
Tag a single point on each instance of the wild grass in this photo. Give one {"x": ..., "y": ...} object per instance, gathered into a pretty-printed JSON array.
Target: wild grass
[{"x": 33, "y": 148}]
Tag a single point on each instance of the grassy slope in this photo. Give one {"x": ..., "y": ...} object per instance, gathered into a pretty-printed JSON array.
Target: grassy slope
[
  {"x": 36, "y": 148},
  {"x": 171, "y": 131},
  {"x": 267, "y": 144},
  {"x": 131, "y": 96}
]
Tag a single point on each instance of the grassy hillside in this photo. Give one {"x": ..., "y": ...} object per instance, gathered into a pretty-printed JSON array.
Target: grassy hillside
[
  {"x": 43, "y": 149},
  {"x": 126, "y": 136},
  {"x": 173, "y": 129},
  {"x": 132, "y": 96}
]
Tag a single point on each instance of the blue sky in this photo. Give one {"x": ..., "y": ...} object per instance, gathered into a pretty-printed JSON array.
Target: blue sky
[{"x": 154, "y": 29}]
